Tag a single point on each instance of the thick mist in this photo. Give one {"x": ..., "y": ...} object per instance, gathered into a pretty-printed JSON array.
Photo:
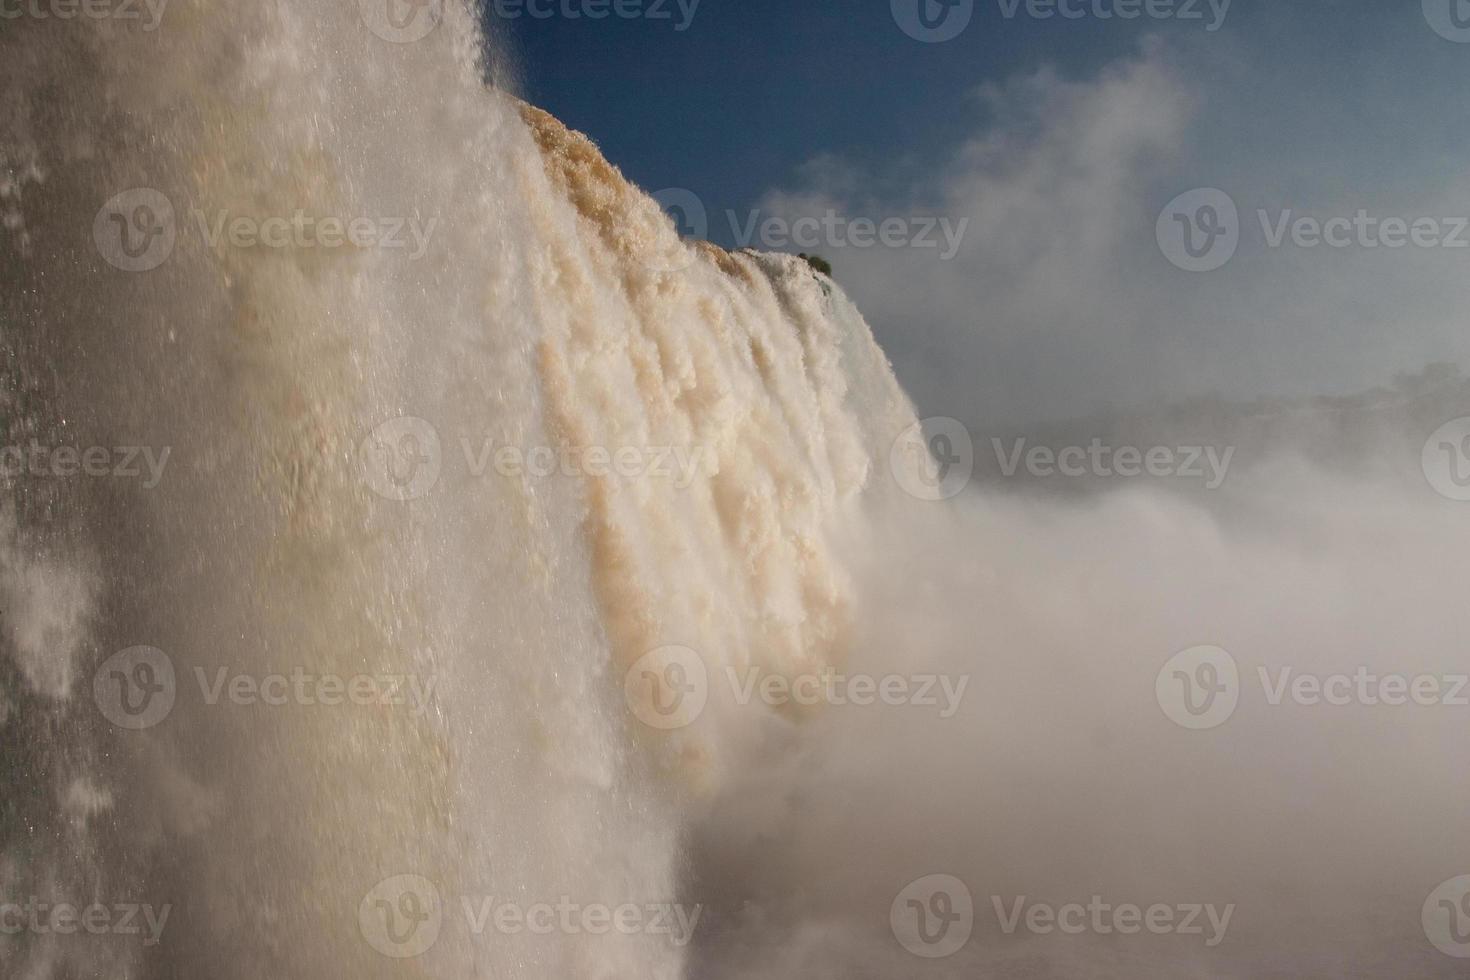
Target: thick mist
[{"x": 1325, "y": 826}]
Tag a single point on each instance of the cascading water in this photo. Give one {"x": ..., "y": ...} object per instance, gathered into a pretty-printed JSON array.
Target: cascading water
[
  {"x": 381, "y": 472},
  {"x": 316, "y": 428}
]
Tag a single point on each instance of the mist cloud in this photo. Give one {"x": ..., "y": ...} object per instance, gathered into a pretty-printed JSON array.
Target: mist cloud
[{"x": 1060, "y": 302}]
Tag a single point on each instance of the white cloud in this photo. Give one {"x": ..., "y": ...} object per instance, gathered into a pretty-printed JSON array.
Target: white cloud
[{"x": 1059, "y": 302}]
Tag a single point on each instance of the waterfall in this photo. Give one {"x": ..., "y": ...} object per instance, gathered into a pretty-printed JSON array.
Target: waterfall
[{"x": 376, "y": 376}]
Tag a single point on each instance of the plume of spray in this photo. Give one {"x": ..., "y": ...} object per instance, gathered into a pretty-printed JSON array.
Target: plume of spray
[{"x": 327, "y": 496}]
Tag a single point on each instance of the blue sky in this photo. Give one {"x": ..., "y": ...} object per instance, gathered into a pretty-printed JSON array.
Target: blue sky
[
  {"x": 753, "y": 88},
  {"x": 1319, "y": 107}
]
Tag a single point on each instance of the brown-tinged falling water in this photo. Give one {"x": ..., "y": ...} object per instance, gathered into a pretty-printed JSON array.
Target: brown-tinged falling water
[
  {"x": 396, "y": 516},
  {"x": 538, "y": 302}
]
